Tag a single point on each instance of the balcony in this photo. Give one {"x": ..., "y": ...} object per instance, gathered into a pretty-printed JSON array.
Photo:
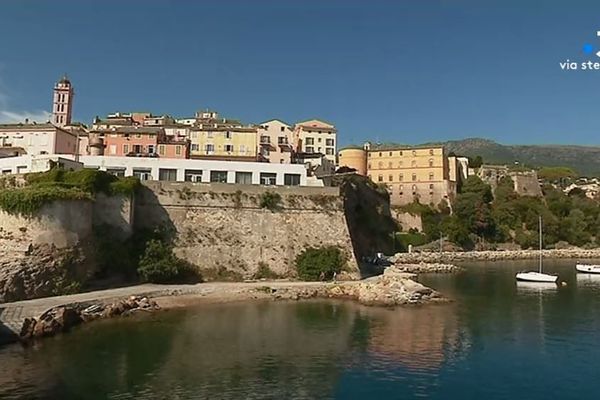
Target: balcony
[
  {"x": 265, "y": 142},
  {"x": 284, "y": 144}
]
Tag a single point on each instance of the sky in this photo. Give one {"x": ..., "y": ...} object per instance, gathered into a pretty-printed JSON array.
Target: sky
[{"x": 406, "y": 71}]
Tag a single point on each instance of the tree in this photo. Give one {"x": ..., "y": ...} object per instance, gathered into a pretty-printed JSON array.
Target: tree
[{"x": 475, "y": 162}]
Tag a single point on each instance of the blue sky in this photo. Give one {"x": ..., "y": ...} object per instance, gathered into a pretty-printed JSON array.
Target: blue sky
[{"x": 407, "y": 71}]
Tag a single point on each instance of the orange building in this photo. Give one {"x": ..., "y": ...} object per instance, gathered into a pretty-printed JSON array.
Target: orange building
[{"x": 140, "y": 141}]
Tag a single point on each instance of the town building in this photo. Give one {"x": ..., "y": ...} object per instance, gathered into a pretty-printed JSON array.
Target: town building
[
  {"x": 217, "y": 138},
  {"x": 57, "y": 136},
  {"x": 28, "y": 163},
  {"x": 207, "y": 171},
  {"x": 275, "y": 141},
  {"x": 526, "y": 182},
  {"x": 142, "y": 141},
  {"x": 316, "y": 136},
  {"x": 417, "y": 173}
]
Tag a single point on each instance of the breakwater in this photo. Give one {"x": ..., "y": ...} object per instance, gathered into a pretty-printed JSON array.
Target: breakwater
[{"x": 449, "y": 257}]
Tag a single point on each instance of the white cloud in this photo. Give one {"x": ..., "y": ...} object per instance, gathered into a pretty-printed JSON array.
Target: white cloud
[
  {"x": 8, "y": 115},
  {"x": 20, "y": 116}
]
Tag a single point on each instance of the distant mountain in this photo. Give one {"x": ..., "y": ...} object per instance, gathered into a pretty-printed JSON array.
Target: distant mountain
[{"x": 583, "y": 159}]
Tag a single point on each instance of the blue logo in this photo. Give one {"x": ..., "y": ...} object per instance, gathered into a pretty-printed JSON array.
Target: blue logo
[{"x": 588, "y": 48}]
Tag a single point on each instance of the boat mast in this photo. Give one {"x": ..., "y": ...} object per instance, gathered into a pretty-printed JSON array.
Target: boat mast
[{"x": 540, "y": 244}]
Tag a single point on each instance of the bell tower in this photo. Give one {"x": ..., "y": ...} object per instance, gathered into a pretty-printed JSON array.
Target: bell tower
[{"x": 62, "y": 106}]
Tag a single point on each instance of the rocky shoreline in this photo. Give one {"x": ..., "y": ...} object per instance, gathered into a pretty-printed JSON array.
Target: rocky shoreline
[
  {"x": 449, "y": 257},
  {"x": 393, "y": 288}
]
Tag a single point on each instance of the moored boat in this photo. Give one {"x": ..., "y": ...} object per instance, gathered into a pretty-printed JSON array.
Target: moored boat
[
  {"x": 532, "y": 276},
  {"x": 588, "y": 268}
]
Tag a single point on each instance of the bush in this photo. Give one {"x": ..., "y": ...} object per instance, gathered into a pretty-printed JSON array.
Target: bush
[
  {"x": 28, "y": 200},
  {"x": 315, "y": 264},
  {"x": 271, "y": 201},
  {"x": 264, "y": 272},
  {"x": 159, "y": 265}
]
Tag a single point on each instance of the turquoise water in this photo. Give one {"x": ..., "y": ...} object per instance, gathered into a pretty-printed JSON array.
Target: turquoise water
[{"x": 497, "y": 340}]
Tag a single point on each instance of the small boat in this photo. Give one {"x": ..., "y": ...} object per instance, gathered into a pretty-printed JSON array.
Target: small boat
[
  {"x": 539, "y": 276},
  {"x": 588, "y": 268}
]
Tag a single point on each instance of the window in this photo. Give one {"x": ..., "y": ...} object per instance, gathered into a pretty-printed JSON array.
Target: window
[
  {"x": 282, "y": 140},
  {"x": 195, "y": 147},
  {"x": 329, "y": 151},
  {"x": 380, "y": 165},
  {"x": 268, "y": 178},
  {"x": 229, "y": 148},
  {"x": 167, "y": 174},
  {"x": 329, "y": 142},
  {"x": 431, "y": 186},
  {"x": 369, "y": 165},
  {"x": 414, "y": 188},
  {"x": 369, "y": 155},
  {"x": 310, "y": 141},
  {"x": 112, "y": 149},
  {"x": 178, "y": 150},
  {"x": 227, "y": 135},
  {"x": 243, "y": 178},
  {"x": 414, "y": 177},
  {"x": 242, "y": 149},
  {"x": 413, "y": 163},
  {"x": 390, "y": 165},
  {"x": 151, "y": 149},
  {"x": 400, "y": 153},
  {"x": 390, "y": 178},
  {"x": 138, "y": 135},
  {"x": 193, "y": 175},
  {"x": 265, "y": 139},
  {"x": 137, "y": 149},
  {"x": 401, "y": 177},
  {"x": 379, "y": 154},
  {"x": 431, "y": 176},
  {"x": 310, "y": 149},
  {"x": 414, "y": 153},
  {"x": 209, "y": 148},
  {"x": 125, "y": 149},
  {"x": 431, "y": 162},
  {"x": 318, "y": 140},
  {"x": 390, "y": 154},
  {"x": 400, "y": 163},
  {"x": 380, "y": 178},
  {"x": 282, "y": 129},
  {"x": 291, "y": 179},
  {"x": 431, "y": 151},
  {"x": 120, "y": 172},
  {"x": 209, "y": 134},
  {"x": 218, "y": 176},
  {"x": 143, "y": 174}
]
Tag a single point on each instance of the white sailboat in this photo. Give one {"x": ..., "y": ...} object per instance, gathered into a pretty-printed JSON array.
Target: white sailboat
[
  {"x": 539, "y": 276},
  {"x": 588, "y": 268}
]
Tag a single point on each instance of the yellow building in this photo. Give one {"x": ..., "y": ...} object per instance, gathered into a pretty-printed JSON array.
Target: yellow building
[
  {"x": 410, "y": 173},
  {"x": 217, "y": 138}
]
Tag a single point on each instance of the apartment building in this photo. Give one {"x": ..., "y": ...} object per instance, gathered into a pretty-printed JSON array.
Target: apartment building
[
  {"x": 316, "y": 136},
  {"x": 142, "y": 141},
  {"x": 275, "y": 141},
  {"x": 218, "y": 138},
  {"x": 410, "y": 173}
]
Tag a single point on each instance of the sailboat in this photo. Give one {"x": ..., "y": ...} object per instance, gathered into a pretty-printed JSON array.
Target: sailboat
[
  {"x": 588, "y": 268},
  {"x": 539, "y": 276}
]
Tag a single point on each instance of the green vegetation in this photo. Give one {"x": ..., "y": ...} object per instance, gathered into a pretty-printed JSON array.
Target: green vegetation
[
  {"x": 553, "y": 174},
  {"x": 478, "y": 217},
  {"x": 270, "y": 200},
  {"x": 318, "y": 264},
  {"x": 158, "y": 264},
  {"x": 59, "y": 184},
  {"x": 264, "y": 272}
]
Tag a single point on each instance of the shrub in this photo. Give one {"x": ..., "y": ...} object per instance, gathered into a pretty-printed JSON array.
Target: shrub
[
  {"x": 28, "y": 200},
  {"x": 315, "y": 264},
  {"x": 264, "y": 272},
  {"x": 158, "y": 264},
  {"x": 270, "y": 200}
]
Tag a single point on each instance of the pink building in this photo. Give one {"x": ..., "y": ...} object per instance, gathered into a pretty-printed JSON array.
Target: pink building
[{"x": 140, "y": 141}]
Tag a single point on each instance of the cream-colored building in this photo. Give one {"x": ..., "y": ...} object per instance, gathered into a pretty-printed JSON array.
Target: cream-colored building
[
  {"x": 275, "y": 139},
  {"x": 410, "y": 173},
  {"x": 217, "y": 138},
  {"x": 316, "y": 136}
]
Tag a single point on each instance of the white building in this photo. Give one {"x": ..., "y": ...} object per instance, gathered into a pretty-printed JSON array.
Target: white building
[
  {"x": 316, "y": 136},
  {"x": 36, "y": 163},
  {"x": 207, "y": 171}
]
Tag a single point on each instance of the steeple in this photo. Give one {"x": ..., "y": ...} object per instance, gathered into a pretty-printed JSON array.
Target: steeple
[{"x": 62, "y": 106}]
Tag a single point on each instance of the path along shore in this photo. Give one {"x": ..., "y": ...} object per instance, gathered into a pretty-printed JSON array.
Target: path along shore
[{"x": 48, "y": 316}]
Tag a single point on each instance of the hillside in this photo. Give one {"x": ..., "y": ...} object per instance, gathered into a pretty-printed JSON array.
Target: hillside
[{"x": 583, "y": 159}]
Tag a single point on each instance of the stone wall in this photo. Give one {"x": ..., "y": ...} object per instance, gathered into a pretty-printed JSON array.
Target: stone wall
[
  {"x": 220, "y": 227},
  {"x": 407, "y": 220}
]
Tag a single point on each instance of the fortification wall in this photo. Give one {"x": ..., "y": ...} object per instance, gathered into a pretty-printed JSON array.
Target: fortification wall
[{"x": 221, "y": 227}]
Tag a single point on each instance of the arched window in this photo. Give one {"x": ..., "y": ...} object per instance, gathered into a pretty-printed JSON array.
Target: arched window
[
  {"x": 431, "y": 176},
  {"x": 431, "y": 162},
  {"x": 414, "y": 177}
]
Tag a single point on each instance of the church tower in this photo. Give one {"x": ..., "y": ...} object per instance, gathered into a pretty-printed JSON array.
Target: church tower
[{"x": 62, "y": 106}]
